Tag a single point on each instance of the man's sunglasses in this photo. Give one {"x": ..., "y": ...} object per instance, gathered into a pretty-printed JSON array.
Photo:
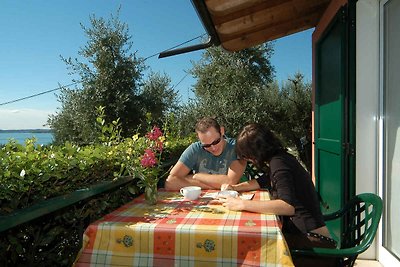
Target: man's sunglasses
[{"x": 216, "y": 142}]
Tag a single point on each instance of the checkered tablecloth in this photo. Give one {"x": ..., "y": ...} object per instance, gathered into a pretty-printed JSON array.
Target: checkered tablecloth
[{"x": 175, "y": 232}]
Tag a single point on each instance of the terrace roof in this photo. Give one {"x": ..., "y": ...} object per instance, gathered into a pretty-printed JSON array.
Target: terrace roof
[{"x": 240, "y": 24}]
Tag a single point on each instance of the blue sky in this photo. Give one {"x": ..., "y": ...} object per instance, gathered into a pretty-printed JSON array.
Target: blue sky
[{"x": 35, "y": 33}]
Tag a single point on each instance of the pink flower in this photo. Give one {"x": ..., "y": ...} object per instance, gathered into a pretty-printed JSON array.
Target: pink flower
[
  {"x": 154, "y": 134},
  {"x": 148, "y": 159}
]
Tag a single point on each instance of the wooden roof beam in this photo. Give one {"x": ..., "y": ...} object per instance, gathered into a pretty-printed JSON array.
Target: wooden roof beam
[{"x": 270, "y": 33}]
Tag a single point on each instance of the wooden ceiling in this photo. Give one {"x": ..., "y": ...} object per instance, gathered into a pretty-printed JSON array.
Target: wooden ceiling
[{"x": 239, "y": 24}]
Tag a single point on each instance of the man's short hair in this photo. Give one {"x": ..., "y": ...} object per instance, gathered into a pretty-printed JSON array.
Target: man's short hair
[{"x": 206, "y": 123}]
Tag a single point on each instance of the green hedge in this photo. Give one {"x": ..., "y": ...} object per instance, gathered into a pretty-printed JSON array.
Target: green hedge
[{"x": 32, "y": 173}]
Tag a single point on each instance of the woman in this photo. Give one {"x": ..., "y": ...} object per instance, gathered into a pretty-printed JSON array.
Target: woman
[{"x": 292, "y": 190}]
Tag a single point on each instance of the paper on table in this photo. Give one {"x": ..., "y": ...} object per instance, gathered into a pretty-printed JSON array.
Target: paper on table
[
  {"x": 211, "y": 195},
  {"x": 246, "y": 196}
]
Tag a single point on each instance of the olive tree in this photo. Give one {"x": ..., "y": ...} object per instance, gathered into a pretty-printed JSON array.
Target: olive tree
[
  {"x": 229, "y": 86},
  {"x": 110, "y": 76}
]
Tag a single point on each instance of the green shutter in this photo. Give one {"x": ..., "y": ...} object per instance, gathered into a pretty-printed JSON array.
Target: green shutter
[{"x": 334, "y": 129}]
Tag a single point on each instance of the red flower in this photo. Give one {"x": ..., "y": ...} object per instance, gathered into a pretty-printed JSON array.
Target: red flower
[
  {"x": 154, "y": 134},
  {"x": 148, "y": 159}
]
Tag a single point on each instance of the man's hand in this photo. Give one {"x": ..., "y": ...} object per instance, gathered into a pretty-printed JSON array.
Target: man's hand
[
  {"x": 181, "y": 176},
  {"x": 226, "y": 187}
]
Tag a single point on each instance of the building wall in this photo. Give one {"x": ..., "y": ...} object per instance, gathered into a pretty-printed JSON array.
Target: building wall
[
  {"x": 369, "y": 158},
  {"x": 367, "y": 101}
]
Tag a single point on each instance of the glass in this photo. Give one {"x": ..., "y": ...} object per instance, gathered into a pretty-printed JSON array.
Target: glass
[
  {"x": 151, "y": 193},
  {"x": 216, "y": 142},
  {"x": 391, "y": 240}
]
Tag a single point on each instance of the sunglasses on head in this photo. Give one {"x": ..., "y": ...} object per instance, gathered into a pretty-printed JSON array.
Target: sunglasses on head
[{"x": 216, "y": 142}]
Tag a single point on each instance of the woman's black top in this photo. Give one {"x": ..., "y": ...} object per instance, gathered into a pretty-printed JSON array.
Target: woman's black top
[{"x": 290, "y": 182}]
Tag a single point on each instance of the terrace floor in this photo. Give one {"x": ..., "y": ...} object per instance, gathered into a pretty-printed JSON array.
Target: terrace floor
[{"x": 367, "y": 263}]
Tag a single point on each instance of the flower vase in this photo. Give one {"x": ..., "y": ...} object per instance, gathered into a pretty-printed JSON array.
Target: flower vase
[{"x": 150, "y": 193}]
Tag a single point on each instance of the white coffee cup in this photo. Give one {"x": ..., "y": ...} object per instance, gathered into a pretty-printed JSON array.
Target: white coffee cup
[
  {"x": 191, "y": 192},
  {"x": 231, "y": 193}
]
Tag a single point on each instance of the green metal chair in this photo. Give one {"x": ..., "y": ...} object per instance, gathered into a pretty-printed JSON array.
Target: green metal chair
[{"x": 361, "y": 219}]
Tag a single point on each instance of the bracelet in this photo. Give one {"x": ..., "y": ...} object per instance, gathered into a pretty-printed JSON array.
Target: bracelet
[{"x": 321, "y": 237}]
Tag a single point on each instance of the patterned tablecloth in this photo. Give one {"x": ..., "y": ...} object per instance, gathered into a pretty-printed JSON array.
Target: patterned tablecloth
[{"x": 175, "y": 232}]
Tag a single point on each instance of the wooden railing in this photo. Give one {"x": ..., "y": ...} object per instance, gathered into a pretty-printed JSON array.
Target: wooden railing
[
  {"x": 54, "y": 204},
  {"x": 57, "y": 203}
]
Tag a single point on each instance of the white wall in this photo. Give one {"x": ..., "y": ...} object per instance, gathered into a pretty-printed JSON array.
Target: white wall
[{"x": 367, "y": 101}]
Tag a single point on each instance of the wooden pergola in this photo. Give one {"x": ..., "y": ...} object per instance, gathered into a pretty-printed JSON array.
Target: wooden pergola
[{"x": 240, "y": 24}]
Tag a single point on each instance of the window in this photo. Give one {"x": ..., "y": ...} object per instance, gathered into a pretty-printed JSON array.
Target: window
[{"x": 390, "y": 109}]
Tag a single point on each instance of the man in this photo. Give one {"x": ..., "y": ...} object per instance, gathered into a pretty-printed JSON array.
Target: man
[{"x": 208, "y": 163}]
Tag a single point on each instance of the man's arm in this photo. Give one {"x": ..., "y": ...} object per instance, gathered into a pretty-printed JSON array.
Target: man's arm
[
  {"x": 215, "y": 181},
  {"x": 180, "y": 176},
  {"x": 244, "y": 186}
]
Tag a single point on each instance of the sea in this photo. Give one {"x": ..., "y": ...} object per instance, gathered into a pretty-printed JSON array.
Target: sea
[{"x": 42, "y": 138}]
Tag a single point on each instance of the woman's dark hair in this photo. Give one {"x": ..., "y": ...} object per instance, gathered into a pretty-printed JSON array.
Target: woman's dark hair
[{"x": 257, "y": 143}]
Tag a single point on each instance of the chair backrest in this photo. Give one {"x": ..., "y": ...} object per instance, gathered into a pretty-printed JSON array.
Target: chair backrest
[{"x": 361, "y": 217}]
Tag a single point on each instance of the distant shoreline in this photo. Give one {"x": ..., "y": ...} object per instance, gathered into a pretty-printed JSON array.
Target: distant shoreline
[{"x": 27, "y": 131}]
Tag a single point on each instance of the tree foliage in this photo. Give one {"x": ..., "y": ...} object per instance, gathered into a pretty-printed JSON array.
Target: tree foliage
[
  {"x": 238, "y": 88},
  {"x": 229, "y": 85},
  {"x": 112, "y": 77},
  {"x": 158, "y": 97},
  {"x": 292, "y": 115}
]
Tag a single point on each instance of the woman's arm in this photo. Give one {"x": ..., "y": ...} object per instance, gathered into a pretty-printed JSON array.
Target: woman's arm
[{"x": 278, "y": 207}]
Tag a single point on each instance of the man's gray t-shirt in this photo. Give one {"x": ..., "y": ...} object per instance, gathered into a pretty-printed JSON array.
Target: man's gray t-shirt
[{"x": 200, "y": 161}]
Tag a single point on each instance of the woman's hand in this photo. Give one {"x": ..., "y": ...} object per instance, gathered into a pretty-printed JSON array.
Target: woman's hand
[{"x": 232, "y": 203}]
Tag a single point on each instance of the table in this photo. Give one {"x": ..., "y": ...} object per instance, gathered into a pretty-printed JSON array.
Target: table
[{"x": 176, "y": 232}]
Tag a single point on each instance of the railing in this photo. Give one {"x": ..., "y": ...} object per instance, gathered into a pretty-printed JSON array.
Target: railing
[{"x": 57, "y": 203}]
